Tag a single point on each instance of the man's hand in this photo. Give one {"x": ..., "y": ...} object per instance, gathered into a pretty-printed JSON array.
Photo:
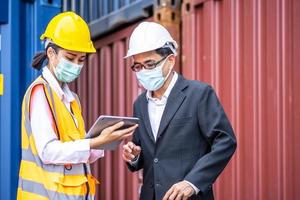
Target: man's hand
[
  {"x": 179, "y": 191},
  {"x": 130, "y": 151}
]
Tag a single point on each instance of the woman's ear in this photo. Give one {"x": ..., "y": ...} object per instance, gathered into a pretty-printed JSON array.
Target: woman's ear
[
  {"x": 50, "y": 53},
  {"x": 52, "y": 58}
]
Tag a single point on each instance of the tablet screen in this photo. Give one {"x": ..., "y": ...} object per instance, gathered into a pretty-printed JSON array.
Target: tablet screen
[{"x": 105, "y": 121}]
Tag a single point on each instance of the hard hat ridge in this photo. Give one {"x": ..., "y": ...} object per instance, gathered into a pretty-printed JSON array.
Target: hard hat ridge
[
  {"x": 69, "y": 31},
  {"x": 149, "y": 36}
]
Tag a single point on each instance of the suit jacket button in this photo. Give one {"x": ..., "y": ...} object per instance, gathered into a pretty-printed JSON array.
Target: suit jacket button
[
  {"x": 157, "y": 185},
  {"x": 155, "y": 160}
]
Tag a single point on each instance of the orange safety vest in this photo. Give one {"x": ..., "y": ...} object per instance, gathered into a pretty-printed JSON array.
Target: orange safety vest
[{"x": 39, "y": 181}]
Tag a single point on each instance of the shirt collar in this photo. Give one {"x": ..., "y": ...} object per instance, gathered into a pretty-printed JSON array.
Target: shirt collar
[
  {"x": 63, "y": 92},
  {"x": 167, "y": 92}
]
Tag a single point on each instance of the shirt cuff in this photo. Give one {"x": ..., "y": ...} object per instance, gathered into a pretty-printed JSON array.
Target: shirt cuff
[
  {"x": 72, "y": 152},
  {"x": 135, "y": 160},
  {"x": 193, "y": 186},
  {"x": 95, "y": 154}
]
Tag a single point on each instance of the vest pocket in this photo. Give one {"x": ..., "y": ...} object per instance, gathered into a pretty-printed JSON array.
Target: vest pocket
[
  {"x": 77, "y": 184},
  {"x": 72, "y": 180},
  {"x": 74, "y": 185}
]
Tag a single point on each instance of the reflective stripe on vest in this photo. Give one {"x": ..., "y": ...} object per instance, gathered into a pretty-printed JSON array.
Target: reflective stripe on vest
[
  {"x": 48, "y": 181},
  {"x": 36, "y": 191}
]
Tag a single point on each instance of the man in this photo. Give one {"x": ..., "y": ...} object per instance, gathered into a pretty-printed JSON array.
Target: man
[{"x": 184, "y": 140}]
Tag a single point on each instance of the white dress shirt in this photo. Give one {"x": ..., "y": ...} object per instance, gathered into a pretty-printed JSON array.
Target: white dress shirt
[
  {"x": 156, "y": 108},
  {"x": 50, "y": 149}
]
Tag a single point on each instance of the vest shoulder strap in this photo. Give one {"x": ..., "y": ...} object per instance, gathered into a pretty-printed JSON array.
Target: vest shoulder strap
[
  {"x": 77, "y": 99},
  {"x": 49, "y": 97}
]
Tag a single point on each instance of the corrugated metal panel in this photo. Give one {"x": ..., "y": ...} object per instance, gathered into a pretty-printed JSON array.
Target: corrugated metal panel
[
  {"x": 4, "y": 12},
  {"x": 19, "y": 41},
  {"x": 249, "y": 51},
  {"x": 105, "y": 16},
  {"x": 9, "y": 107},
  {"x": 94, "y": 9},
  {"x": 108, "y": 86},
  {"x": 167, "y": 13}
]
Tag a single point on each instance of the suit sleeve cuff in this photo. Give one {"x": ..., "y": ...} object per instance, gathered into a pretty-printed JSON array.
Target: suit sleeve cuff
[{"x": 135, "y": 161}]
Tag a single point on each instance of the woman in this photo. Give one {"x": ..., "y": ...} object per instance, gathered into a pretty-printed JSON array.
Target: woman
[{"x": 55, "y": 155}]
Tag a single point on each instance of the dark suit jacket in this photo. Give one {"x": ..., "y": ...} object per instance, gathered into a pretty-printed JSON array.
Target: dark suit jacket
[{"x": 195, "y": 141}]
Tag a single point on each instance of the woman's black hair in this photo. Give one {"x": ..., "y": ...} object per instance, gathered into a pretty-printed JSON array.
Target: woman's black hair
[{"x": 40, "y": 57}]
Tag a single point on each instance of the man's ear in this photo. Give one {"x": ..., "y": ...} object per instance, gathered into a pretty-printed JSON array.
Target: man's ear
[{"x": 171, "y": 60}]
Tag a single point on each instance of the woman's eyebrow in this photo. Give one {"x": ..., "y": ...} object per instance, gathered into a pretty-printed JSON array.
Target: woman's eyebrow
[{"x": 71, "y": 54}]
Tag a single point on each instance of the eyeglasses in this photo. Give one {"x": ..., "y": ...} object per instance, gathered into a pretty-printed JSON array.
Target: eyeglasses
[{"x": 136, "y": 67}]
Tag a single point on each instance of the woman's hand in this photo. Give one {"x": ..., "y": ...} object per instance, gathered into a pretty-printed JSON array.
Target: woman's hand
[{"x": 111, "y": 134}]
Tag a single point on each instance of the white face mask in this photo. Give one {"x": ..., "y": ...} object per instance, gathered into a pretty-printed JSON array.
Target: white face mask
[
  {"x": 66, "y": 71},
  {"x": 152, "y": 79}
]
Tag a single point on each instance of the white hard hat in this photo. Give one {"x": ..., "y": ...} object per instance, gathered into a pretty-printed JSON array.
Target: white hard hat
[{"x": 148, "y": 36}]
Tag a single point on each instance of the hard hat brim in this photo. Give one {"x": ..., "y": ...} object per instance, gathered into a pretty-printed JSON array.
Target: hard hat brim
[
  {"x": 71, "y": 48},
  {"x": 132, "y": 53}
]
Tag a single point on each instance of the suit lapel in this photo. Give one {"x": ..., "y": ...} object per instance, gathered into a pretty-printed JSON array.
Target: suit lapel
[
  {"x": 146, "y": 120},
  {"x": 174, "y": 102}
]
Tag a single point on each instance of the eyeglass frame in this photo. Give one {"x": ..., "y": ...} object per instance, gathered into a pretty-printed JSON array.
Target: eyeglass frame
[{"x": 154, "y": 65}]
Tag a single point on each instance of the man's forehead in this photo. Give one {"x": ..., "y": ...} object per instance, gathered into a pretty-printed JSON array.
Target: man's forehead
[{"x": 144, "y": 57}]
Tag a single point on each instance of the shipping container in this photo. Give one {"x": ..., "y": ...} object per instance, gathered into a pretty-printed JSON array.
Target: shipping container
[
  {"x": 246, "y": 49},
  {"x": 249, "y": 51},
  {"x": 21, "y": 24}
]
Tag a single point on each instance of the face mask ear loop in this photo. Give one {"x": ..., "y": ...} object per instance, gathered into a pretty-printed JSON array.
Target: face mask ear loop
[
  {"x": 53, "y": 68},
  {"x": 169, "y": 70},
  {"x": 54, "y": 51}
]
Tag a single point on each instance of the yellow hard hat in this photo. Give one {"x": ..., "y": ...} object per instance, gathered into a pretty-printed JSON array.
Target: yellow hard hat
[{"x": 69, "y": 31}]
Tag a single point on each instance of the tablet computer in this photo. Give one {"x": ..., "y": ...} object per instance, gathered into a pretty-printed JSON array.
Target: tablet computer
[{"x": 105, "y": 121}]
